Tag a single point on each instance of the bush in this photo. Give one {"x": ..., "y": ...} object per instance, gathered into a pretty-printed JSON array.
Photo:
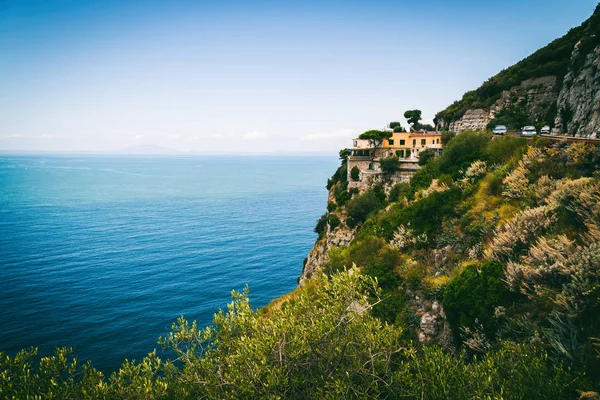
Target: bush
[
  {"x": 502, "y": 149},
  {"x": 334, "y": 221},
  {"x": 462, "y": 151},
  {"x": 321, "y": 224},
  {"x": 359, "y": 207},
  {"x": 355, "y": 173},
  {"x": 471, "y": 298},
  {"x": 447, "y": 137},
  {"x": 389, "y": 165},
  {"x": 425, "y": 156},
  {"x": 399, "y": 191},
  {"x": 331, "y": 206}
]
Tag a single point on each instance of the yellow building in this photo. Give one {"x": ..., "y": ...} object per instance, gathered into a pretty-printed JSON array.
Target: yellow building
[{"x": 407, "y": 145}]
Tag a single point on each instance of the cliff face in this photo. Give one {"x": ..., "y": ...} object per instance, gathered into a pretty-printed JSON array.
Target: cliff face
[
  {"x": 558, "y": 85},
  {"x": 535, "y": 98},
  {"x": 341, "y": 236},
  {"x": 579, "y": 100}
]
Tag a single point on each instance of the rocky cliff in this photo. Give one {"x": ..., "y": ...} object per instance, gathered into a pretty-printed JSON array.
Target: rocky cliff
[
  {"x": 558, "y": 85},
  {"x": 579, "y": 100},
  {"x": 531, "y": 102}
]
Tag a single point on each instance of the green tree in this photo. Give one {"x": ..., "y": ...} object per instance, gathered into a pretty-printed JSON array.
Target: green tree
[
  {"x": 413, "y": 117},
  {"x": 375, "y": 137},
  {"x": 355, "y": 173},
  {"x": 394, "y": 124},
  {"x": 389, "y": 165},
  {"x": 344, "y": 155},
  {"x": 359, "y": 207},
  {"x": 425, "y": 156},
  {"x": 399, "y": 129}
]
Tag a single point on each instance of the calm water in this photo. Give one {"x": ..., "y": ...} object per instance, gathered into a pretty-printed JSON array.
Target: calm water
[{"x": 104, "y": 253}]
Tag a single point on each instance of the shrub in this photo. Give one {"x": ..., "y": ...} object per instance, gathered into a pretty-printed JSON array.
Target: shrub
[
  {"x": 447, "y": 137},
  {"x": 470, "y": 299},
  {"x": 399, "y": 191},
  {"x": 321, "y": 224},
  {"x": 389, "y": 165},
  {"x": 502, "y": 149},
  {"x": 359, "y": 207},
  {"x": 355, "y": 173},
  {"x": 331, "y": 206},
  {"x": 334, "y": 221},
  {"x": 425, "y": 156},
  {"x": 461, "y": 151}
]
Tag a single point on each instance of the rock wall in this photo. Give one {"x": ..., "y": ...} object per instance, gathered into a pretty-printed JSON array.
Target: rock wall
[
  {"x": 579, "y": 100},
  {"x": 318, "y": 256},
  {"x": 536, "y": 97},
  {"x": 474, "y": 120}
]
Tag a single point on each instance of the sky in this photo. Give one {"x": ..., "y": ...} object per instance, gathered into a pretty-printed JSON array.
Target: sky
[{"x": 249, "y": 76}]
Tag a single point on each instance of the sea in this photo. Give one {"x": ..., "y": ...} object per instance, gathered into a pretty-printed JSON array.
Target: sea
[{"x": 103, "y": 253}]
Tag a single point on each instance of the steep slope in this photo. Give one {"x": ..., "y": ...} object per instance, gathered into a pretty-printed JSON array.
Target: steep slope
[{"x": 540, "y": 90}]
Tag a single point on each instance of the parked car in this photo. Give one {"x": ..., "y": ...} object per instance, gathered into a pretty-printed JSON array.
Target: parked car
[
  {"x": 528, "y": 131},
  {"x": 545, "y": 130},
  {"x": 499, "y": 130}
]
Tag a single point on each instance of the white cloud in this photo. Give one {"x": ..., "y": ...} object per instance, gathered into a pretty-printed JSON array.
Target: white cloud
[
  {"x": 348, "y": 133},
  {"x": 254, "y": 135},
  {"x": 174, "y": 137},
  {"x": 138, "y": 137}
]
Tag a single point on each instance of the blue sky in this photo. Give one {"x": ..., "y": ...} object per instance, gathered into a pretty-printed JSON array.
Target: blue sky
[{"x": 248, "y": 76}]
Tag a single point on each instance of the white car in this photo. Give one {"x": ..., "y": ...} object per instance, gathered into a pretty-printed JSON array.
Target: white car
[
  {"x": 528, "y": 131},
  {"x": 545, "y": 130},
  {"x": 499, "y": 130}
]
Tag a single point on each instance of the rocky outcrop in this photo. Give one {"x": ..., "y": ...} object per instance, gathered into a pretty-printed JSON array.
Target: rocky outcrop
[
  {"x": 474, "y": 120},
  {"x": 579, "y": 100},
  {"x": 341, "y": 236},
  {"x": 433, "y": 325},
  {"x": 534, "y": 97}
]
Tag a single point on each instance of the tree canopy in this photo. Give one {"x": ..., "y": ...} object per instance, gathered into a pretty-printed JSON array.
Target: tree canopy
[
  {"x": 413, "y": 117},
  {"x": 375, "y": 137}
]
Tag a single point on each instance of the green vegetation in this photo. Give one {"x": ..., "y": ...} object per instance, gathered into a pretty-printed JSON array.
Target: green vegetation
[
  {"x": 375, "y": 137},
  {"x": 333, "y": 220},
  {"x": 355, "y": 173},
  {"x": 425, "y": 156},
  {"x": 362, "y": 205},
  {"x": 389, "y": 165},
  {"x": 503, "y": 234},
  {"x": 320, "y": 341},
  {"x": 472, "y": 297}
]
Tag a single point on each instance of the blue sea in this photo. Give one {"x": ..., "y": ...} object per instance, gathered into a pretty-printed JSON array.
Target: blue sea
[{"x": 103, "y": 253}]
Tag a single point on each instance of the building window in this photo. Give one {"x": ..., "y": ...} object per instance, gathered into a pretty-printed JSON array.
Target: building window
[
  {"x": 391, "y": 142},
  {"x": 432, "y": 141},
  {"x": 414, "y": 142},
  {"x": 438, "y": 141},
  {"x": 423, "y": 141},
  {"x": 355, "y": 143},
  {"x": 402, "y": 142}
]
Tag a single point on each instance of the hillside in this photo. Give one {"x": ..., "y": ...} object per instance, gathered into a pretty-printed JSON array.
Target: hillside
[
  {"x": 542, "y": 89},
  {"x": 479, "y": 279}
]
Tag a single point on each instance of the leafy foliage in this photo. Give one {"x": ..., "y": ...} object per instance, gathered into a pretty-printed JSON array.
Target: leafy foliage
[
  {"x": 355, "y": 173},
  {"x": 471, "y": 298},
  {"x": 360, "y": 206},
  {"x": 375, "y": 137},
  {"x": 389, "y": 165}
]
